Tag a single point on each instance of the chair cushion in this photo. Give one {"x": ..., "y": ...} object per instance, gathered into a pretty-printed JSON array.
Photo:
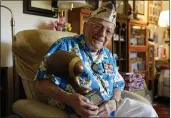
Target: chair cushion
[{"x": 31, "y": 45}]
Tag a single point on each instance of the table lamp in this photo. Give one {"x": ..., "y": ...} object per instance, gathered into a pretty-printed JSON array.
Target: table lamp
[
  {"x": 164, "y": 22},
  {"x": 63, "y": 5},
  {"x": 14, "y": 75}
]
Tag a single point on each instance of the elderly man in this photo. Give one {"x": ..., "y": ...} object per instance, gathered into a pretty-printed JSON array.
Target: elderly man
[{"x": 99, "y": 72}]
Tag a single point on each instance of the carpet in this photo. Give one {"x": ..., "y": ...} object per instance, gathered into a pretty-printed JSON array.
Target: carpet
[{"x": 162, "y": 107}]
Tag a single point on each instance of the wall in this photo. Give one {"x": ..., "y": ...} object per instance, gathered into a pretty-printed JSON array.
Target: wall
[
  {"x": 157, "y": 29},
  {"x": 154, "y": 28},
  {"x": 165, "y": 6},
  {"x": 25, "y": 21},
  {"x": 144, "y": 17},
  {"x": 22, "y": 22},
  {"x": 160, "y": 30}
]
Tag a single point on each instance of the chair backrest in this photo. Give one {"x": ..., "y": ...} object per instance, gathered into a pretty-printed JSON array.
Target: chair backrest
[{"x": 29, "y": 48}]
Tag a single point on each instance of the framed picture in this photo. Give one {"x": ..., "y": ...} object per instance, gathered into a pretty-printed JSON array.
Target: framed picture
[
  {"x": 154, "y": 9},
  {"x": 40, "y": 7},
  {"x": 140, "y": 6}
]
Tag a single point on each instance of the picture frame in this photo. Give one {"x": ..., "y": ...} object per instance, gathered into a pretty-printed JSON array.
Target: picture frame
[
  {"x": 154, "y": 9},
  {"x": 40, "y": 9},
  {"x": 140, "y": 7}
]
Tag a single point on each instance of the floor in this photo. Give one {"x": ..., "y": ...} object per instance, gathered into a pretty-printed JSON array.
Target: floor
[
  {"x": 162, "y": 107},
  {"x": 12, "y": 116}
]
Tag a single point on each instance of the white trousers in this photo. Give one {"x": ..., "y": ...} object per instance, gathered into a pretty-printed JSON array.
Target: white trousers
[{"x": 134, "y": 108}]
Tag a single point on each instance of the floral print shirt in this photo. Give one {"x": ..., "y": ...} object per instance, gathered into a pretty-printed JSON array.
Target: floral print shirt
[{"x": 99, "y": 72}]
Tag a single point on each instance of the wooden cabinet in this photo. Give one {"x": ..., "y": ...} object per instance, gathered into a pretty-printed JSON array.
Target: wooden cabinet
[
  {"x": 138, "y": 47},
  {"x": 151, "y": 66},
  {"x": 137, "y": 35},
  {"x": 77, "y": 17},
  {"x": 120, "y": 44}
]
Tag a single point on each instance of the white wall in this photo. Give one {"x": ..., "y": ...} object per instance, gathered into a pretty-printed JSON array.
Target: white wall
[
  {"x": 22, "y": 22},
  {"x": 165, "y": 5},
  {"x": 157, "y": 29},
  {"x": 160, "y": 30}
]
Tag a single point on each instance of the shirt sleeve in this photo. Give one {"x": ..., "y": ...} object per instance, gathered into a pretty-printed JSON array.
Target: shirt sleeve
[
  {"x": 43, "y": 72},
  {"x": 118, "y": 82},
  {"x": 118, "y": 79}
]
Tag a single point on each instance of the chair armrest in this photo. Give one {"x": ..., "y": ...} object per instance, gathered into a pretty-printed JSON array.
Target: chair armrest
[
  {"x": 135, "y": 96},
  {"x": 32, "y": 109}
]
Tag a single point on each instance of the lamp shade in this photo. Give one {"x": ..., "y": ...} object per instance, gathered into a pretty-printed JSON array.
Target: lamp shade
[
  {"x": 64, "y": 4},
  {"x": 164, "y": 19}
]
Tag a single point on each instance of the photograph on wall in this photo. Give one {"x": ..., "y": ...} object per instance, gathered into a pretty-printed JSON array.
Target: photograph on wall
[
  {"x": 154, "y": 9},
  {"x": 140, "y": 6}
]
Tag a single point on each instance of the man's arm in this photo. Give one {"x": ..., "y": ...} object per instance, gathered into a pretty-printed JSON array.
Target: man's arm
[
  {"x": 111, "y": 105},
  {"x": 119, "y": 83},
  {"x": 50, "y": 86},
  {"x": 118, "y": 86},
  {"x": 50, "y": 89},
  {"x": 74, "y": 100}
]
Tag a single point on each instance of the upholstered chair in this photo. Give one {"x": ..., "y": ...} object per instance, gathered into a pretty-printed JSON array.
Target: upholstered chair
[{"x": 29, "y": 48}]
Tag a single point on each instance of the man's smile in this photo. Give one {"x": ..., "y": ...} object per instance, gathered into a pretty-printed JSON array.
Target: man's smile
[{"x": 99, "y": 40}]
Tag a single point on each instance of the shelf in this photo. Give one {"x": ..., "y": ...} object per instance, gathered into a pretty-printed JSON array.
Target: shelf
[
  {"x": 138, "y": 47},
  {"x": 120, "y": 44},
  {"x": 119, "y": 41},
  {"x": 136, "y": 36},
  {"x": 168, "y": 42}
]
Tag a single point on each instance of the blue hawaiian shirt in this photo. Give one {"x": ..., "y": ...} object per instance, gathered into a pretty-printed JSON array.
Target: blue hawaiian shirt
[{"x": 99, "y": 72}]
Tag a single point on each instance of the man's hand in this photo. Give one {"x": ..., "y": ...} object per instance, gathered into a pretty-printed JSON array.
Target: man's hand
[
  {"x": 107, "y": 108},
  {"x": 117, "y": 94},
  {"x": 82, "y": 106}
]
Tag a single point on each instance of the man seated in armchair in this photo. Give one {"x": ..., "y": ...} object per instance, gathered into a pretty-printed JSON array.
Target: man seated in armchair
[{"x": 99, "y": 72}]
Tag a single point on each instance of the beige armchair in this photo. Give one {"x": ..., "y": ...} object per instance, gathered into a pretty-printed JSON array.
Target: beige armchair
[{"x": 29, "y": 48}]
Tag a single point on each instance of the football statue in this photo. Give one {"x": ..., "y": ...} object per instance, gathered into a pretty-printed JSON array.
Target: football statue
[{"x": 68, "y": 66}]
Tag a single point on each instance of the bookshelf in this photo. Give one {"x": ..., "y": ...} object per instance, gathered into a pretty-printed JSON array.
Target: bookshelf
[
  {"x": 120, "y": 44},
  {"x": 138, "y": 47}
]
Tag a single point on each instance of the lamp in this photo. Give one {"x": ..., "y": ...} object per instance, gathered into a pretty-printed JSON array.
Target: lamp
[
  {"x": 12, "y": 22},
  {"x": 63, "y": 5},
  {"x": 164, "y": 22},
  {"x": 164, "y": 19},
  {"x": 13, "y": 33}
]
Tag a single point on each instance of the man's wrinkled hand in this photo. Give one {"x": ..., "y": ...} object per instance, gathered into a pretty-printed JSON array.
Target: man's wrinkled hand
[
  {"x": 82, "y": 106},
  {"x": 107, "y": 108}
]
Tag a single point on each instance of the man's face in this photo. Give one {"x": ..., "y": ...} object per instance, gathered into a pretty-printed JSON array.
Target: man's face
[{"x": 98, "y": 33}]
